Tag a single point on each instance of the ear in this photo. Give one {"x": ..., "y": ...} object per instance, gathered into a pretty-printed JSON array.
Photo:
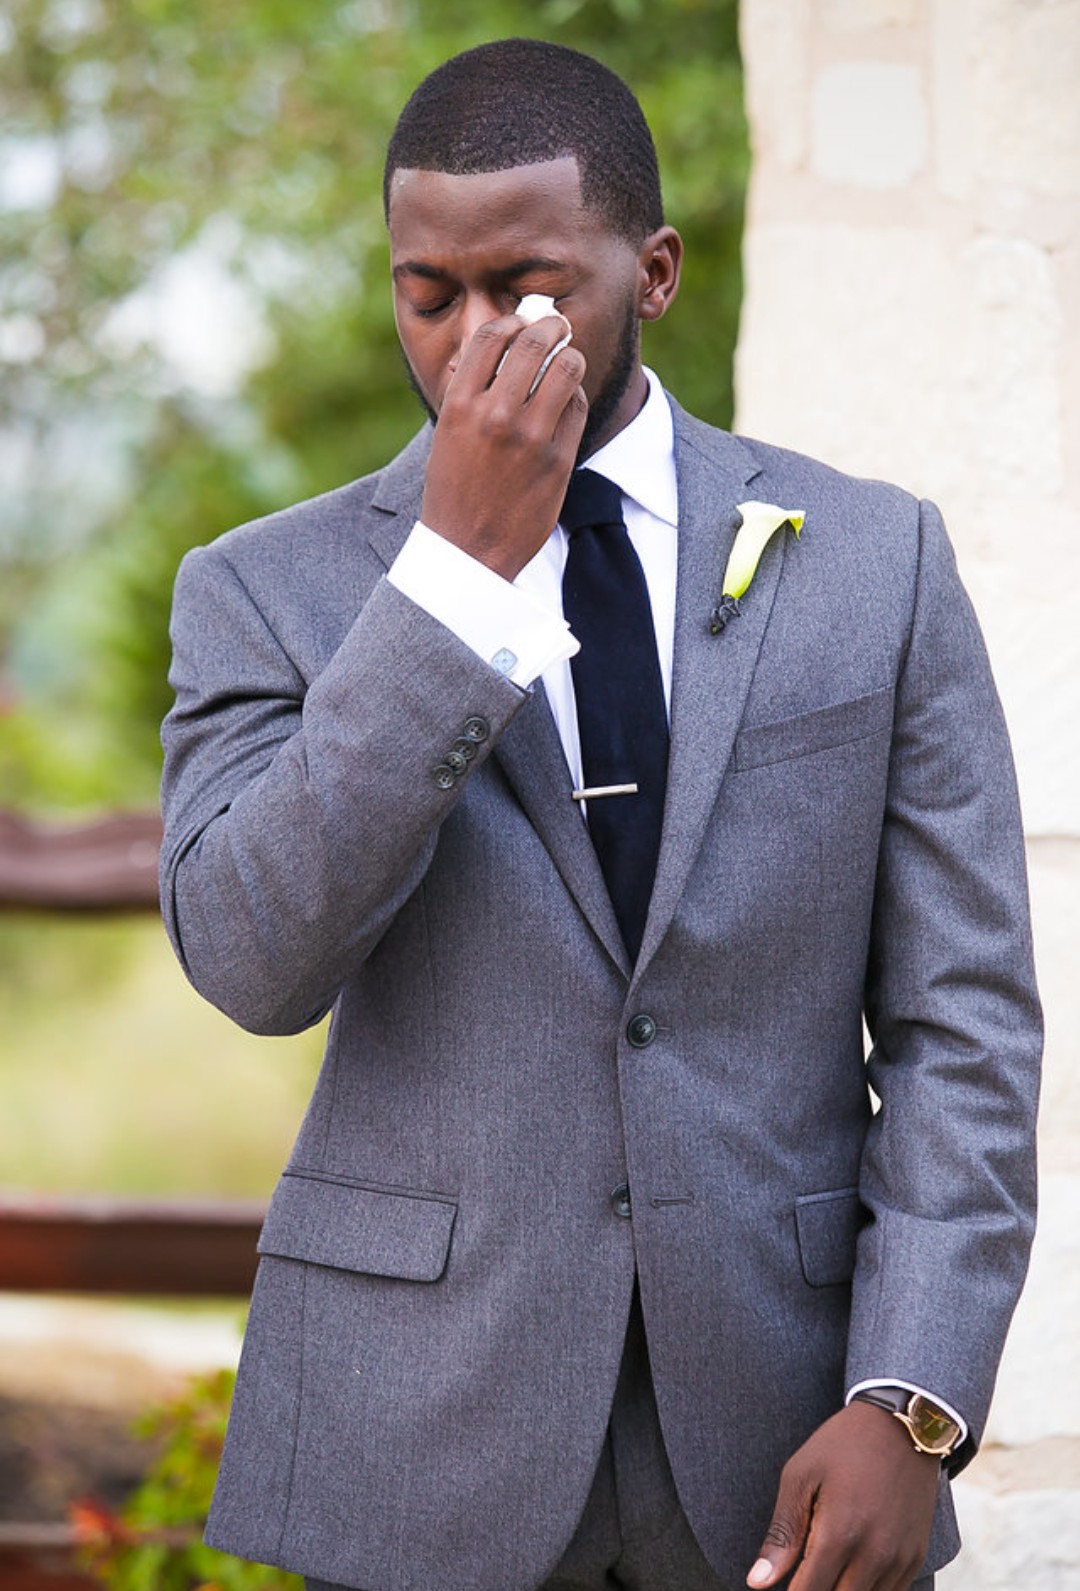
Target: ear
[{"x": 659, "y": 267}]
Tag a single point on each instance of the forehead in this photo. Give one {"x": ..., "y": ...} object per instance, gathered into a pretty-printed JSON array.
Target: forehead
[{"x": 437, "y": 212}]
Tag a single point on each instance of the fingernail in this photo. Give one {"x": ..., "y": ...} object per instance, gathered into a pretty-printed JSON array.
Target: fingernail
[{"x": 761, "y": 1573}]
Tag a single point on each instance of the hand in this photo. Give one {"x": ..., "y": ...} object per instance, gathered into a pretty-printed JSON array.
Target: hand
[
  {"x": 853, "y": 1510},
  {"x": 501, "y": 459}
]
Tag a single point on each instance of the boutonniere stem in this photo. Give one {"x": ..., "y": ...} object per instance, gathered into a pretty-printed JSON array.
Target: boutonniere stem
[{"x": 760, "y": 522}]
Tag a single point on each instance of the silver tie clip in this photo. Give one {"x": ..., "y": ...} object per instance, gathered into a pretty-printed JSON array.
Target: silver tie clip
[{"x": 603, "y": 790}]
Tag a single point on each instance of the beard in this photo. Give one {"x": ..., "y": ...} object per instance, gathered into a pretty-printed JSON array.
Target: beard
[
  {"x": 613, "y": 387},
  {"x": 603, "y": 407},
  {"x": 418, "y": 390}
]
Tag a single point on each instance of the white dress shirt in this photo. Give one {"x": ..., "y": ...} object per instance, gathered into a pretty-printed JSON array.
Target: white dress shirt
[{"x": 518, "y": 627}]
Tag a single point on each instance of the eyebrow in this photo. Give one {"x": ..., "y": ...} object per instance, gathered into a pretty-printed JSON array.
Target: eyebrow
[{"x": 432, "y": 273}]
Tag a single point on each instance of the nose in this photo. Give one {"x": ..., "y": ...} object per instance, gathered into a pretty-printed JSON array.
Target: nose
[{"x": 476, "y": 310}]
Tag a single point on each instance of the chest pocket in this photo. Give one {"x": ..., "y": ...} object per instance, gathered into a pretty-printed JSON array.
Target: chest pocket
[{"x": 838, "y": 725}]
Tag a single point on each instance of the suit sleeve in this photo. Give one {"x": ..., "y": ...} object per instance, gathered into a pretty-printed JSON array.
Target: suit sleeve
[
  {"x": 300, "y": 816},
  {"x": 948, "y": 1171}
]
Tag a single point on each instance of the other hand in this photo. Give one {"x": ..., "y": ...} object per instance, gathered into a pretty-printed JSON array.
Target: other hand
[
  {"x": 853, "y": 1510},
  {"x": 501, "y": 457}
]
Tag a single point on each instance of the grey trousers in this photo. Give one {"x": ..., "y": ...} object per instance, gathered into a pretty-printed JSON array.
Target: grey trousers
[{"x": 633, "y": 1534}]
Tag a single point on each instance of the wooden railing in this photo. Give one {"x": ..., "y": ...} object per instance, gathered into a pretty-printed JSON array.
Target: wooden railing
[
  {"x": 93, "y": 1245},
  {"x": 104, "y": 866},
  {"x": 109, "y": 1247}
]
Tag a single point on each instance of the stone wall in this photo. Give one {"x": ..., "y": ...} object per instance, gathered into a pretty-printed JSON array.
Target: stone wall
[{"x": 912, "y": 311}]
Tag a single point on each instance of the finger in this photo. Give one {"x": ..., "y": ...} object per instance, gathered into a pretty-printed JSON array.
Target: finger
[
  {"x": 519, "y": 373},
  {"x": 570, "y": 424},
  {"x": 830, "y": 1568},
  {"x": 484, "y": 352},
  {"x": 902, "y": 1581},
  {"x": 851, "y": 1562},
  {"x": 561, "y": 379},
  {"x": 563, "y": 333},
  {"x": 786, "y": 1536},
  {"x": 566, "y": 330},
  {"x": 549, "y": 359}
]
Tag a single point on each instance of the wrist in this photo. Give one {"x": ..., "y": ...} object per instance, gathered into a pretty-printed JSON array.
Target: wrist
[{"x": 932, "y": 1429}]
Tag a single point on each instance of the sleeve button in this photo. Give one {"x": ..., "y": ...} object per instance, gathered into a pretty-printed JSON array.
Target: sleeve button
[
  {"x": 477, "y": 729},
  {"x": 443, "y": 776},
  {"x": 457, "y": 762}
]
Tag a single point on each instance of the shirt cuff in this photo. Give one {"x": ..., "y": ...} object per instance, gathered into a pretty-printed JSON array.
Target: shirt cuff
[
  {"x": 501, "y": 624},
  {"x": 909, "y": 1386}
]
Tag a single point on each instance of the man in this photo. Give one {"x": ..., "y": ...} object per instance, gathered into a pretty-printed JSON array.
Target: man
[{"x": 592, "y": 1265}]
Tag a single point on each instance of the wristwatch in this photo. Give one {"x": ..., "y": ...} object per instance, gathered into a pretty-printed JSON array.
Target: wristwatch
[{"x": 930, "y": 1428}]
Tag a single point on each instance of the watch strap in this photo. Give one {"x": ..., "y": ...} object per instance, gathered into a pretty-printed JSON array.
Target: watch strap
[
  {"x": 894, "y": 1399},
  {"x": 932, "y": 1429}
]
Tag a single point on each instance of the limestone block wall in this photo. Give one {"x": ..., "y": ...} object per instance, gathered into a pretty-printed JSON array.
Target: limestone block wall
[{"x": 912, "y": 311}]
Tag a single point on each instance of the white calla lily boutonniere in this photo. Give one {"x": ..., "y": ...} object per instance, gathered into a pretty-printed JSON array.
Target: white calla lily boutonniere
[{"x": 760, "y": 522}]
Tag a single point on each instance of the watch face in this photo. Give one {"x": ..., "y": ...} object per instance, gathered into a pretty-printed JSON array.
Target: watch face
[{"x": 931, "y": 1427}]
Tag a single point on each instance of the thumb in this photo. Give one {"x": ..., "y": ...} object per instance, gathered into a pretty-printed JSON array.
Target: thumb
[{"x": 786, "y": 1535}]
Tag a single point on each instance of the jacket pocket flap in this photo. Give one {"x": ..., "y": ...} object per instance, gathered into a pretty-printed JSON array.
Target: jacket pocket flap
[
  {"x": 818, "y": 731},
  {"x": 828, "y": 1226},
  {"x": 358, "y": 1229}
]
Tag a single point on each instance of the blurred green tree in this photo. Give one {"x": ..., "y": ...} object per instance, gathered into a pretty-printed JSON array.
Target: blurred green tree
[{"x": 195, "y": 321}]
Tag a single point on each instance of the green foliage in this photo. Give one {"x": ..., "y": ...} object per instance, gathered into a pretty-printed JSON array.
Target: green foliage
[
  {"x": 246, "y": 140},
  {"x": 155, "y": 1544}
]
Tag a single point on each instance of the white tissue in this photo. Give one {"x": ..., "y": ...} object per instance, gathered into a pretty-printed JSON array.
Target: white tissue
[{"x": 533, "y": 307}]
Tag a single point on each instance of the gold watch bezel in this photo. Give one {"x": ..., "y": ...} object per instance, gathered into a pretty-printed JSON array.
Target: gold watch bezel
[{"x": 932, "y": 1430}]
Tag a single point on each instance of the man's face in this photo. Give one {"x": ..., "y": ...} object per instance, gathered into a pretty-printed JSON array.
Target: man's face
[{"x": 465, "y": 250}]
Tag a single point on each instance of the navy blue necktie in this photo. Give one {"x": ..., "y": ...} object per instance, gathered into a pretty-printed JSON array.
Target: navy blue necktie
[{"x": 622, "y": 717}]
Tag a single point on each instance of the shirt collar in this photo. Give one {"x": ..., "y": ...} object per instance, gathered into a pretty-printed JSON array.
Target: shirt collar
[{"x": 640, "y": 458}]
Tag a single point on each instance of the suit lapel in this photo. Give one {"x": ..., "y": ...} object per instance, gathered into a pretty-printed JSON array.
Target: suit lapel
[
  {"x": 395, "y": 503},
  {"x": 711, "y": 674},
  {"x": 530, "y": 752},
  {"x": 531, "y": 755},
  {"x": 710, "y": 677}
]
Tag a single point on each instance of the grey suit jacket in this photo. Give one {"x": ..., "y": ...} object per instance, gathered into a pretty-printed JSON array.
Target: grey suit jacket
[{"x": 440, "y": 1309}]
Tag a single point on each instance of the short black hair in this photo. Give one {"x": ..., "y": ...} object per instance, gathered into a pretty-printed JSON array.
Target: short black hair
[{"x": 515, "y": 102}]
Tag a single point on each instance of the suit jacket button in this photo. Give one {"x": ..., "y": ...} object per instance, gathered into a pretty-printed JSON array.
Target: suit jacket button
[
  {"x": 466, "y": 747},
  {"x": 476, "y": 728},
  {"x": 641, "y": 1030},
  {"x": 620, "y": 1201},
  {"x": 456, "y": 761},
  {"x": 443, "y": 776}
]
